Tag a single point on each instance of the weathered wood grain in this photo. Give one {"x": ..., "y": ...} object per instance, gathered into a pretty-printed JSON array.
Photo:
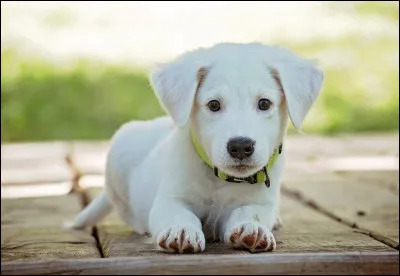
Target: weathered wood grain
[
  {"x": 352, "y": 178},
  {"x": 366, "y": 206},
  {"x": 305, "y": 230},
  {"x": 31, "y": 229},
  {"x": 349, "y": 263}
]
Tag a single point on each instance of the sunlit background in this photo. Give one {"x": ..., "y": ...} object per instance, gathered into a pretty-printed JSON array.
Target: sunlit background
[
  {"x": 78, "y": 70},
  {"x": 73, "y": 72}
]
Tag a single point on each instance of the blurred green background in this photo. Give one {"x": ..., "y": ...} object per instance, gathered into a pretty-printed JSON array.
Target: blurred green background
[{"x": 90, "y": 99}]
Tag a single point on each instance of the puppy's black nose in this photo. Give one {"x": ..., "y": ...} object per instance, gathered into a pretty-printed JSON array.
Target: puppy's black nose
[{"x": 240, "y": 147}]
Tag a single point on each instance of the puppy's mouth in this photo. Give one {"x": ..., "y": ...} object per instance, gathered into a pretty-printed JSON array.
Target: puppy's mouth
[{"x": 241, "y": 170}]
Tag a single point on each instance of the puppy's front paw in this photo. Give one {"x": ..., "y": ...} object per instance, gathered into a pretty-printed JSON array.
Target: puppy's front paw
[
  {"x": 181, "y": 240},
  {"x": 251, "y": 236}
]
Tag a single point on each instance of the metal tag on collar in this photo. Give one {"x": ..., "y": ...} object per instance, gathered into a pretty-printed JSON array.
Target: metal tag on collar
[
  {"x": 216, "y": 171},
  {"x": 267, "y": 181},
  {"x": 251, "y": 179}
]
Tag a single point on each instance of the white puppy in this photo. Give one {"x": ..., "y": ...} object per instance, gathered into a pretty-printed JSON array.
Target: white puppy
[{"x": 213, "y": 167}]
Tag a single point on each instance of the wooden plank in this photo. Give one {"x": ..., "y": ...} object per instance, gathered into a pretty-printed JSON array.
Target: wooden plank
[
  {"x": 31, "y": 229},
  {"x": 55, "y": 170},
  {"x": 305, "y": 230},
  {"x": 35, "y": 190},
  {"x": 387, "y": 179},
  {"x": 370, "y": 163},
  {"x": 312, "y": 154},
  {"x": 307, "y": 145},
  {"x": 351, "y": 263},
  {"x": 32, "y": 153},
  {"x": 373, "y": 143},
  {"x": 352, "y": 178},
  {"x": 90, "y": 157},
  {"x": 90, "y": 181},
  {"x": 34, "y": 163},
  {"x": 368, "y": 207}
]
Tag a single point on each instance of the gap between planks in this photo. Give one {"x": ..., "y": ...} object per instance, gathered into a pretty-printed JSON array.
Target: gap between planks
[
  {"x": 81, "y": 193},
  {"x": 316, "y": 207},
  {"x": 85, "y": 201},
  {"x": 76, "y": 173}
]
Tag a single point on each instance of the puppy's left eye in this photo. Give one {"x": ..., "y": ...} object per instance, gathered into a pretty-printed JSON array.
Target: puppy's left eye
[
  {"x": 214, "y": 105},
  {"x": 264, "y": 104}
]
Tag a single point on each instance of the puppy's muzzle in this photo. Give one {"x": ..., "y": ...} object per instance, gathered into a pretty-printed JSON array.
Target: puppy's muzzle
[{"x": 240, "y": 147}]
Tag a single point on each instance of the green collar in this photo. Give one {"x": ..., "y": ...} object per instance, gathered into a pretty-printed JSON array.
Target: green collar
[{"x": 259, "y": 177}]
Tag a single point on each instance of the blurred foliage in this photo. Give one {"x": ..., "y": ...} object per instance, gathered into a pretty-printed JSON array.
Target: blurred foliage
[
  {"x": 361, "y": 87},
  {"x": 42, "y": 101}
]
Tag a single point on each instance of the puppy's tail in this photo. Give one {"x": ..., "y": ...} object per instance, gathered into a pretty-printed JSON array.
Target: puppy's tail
[{"x": 92, "y": 214}]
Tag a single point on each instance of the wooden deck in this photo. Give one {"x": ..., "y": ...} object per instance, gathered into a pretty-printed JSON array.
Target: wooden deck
[{"x": 340, "y": 210}]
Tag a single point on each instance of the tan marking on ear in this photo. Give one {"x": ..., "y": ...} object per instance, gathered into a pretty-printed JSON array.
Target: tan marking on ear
[
  {"x": 277, "y": 78},
  {"x": 201, "y": 76},
  {"x": 283, "y": 106},
  {"x": 275, "y": 75}
]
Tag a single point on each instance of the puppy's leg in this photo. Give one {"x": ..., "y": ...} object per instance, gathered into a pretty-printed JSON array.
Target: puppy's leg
[
  {"x": 249, "y": 227},
  {"x": 176, "y": 228}
]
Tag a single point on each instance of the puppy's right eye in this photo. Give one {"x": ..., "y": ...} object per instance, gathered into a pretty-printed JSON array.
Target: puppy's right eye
[{"x": 214, "y": 105}]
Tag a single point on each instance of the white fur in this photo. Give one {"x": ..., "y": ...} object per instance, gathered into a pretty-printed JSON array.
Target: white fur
[{"x": 157, "y": 182}]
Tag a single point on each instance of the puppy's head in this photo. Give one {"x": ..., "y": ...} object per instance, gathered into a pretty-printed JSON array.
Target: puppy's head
[{"x": 236, "y": 99}]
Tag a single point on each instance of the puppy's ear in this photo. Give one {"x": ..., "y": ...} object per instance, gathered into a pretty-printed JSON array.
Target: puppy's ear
[
  {"x": 175, "y": 85},
  {"x": 301, "y": 85}
]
